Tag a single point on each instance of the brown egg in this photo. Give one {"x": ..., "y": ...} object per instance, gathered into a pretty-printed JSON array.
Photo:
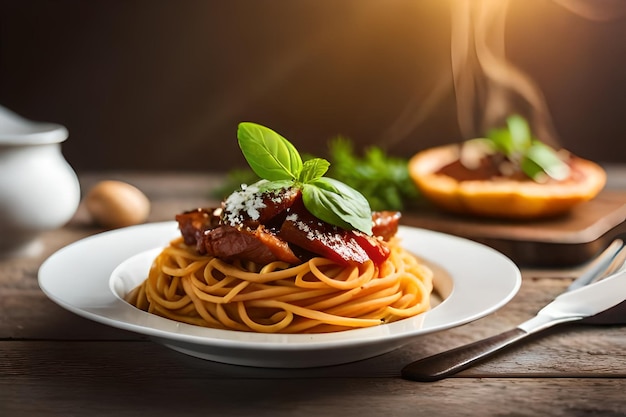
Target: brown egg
[{"x": 114, "y": 204}]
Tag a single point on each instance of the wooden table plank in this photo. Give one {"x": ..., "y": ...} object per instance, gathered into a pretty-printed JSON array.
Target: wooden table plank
[
  {"x": 573, "y": 351},
  {"x": 137, "y": 396}
]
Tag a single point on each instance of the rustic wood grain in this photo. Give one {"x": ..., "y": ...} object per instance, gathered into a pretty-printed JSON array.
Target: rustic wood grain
[
  {"x": 566, "y": 240},
  {"x": 137, "y": 396}
]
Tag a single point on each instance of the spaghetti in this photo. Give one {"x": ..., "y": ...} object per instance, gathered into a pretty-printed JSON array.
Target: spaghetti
[{"x": 318, "y": 295}]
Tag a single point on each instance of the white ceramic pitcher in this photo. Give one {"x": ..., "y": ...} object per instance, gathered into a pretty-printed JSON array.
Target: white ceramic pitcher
[{"x": 39, "y": 190}]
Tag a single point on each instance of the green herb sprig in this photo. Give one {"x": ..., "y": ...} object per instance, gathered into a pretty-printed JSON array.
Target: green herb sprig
[
  {"x": 384, "y": 180},
  {"x": 275, "y": 159},
  {"x": 534, "y": 158}
]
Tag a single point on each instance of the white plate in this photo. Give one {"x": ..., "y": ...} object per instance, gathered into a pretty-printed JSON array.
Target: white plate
[{"x": 87, "y": 277}]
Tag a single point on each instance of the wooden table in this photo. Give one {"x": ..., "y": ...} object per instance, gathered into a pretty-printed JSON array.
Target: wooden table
[{"x": 54, "y": 363}]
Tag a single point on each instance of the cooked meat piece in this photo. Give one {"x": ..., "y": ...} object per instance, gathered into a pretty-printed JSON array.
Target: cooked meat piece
[
  {"x": 385, "y": 224},
  {"x": 251, "y": 208},
  {"x": 271, "y": 226},
  {"x": 322, "y": 239},
  {"x": 194, "y": 223},
  {"x": 376, "y": 250},
  {"x": 259, "y": 245},
  {"x": 302, "y": 229}
]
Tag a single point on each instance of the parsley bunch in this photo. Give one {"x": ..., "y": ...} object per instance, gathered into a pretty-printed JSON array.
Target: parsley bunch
[{"x": 383, "y": 180}]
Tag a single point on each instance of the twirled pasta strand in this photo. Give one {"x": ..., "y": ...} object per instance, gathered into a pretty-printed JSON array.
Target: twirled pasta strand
[{"x": 315, "y": 296}]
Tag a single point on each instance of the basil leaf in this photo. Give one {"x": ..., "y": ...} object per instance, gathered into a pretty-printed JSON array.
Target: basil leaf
[
  {"x": 541, "y": 158},
  {"x": 278, "y": 163},
  {"x": 265, "y": 185},
  {"x": 313, "y": 169},
  {"x": 514, "y": 140},
  {"x": 519, "y": 132},
  {"x": 336, "y": 203},
  {"x": 270, "y": 156},
  {"x": 502, "y": 141}
]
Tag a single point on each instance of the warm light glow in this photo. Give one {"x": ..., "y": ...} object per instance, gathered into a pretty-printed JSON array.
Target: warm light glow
[
  {"x": 599, "y": 10},
  {"x": 487, "y": 86}
]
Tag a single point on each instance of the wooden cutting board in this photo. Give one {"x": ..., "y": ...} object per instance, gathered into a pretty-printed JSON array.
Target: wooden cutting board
[{"x": 567, "y": 240}]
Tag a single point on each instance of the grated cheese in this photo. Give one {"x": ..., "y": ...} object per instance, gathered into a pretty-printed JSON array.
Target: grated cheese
[{"x": 248, "y": 201}]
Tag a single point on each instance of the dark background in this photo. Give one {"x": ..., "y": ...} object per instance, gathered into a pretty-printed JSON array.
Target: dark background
[{"x": 153, "y": 84}]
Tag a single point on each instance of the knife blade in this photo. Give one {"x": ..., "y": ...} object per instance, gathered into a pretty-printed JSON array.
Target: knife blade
[
  {"x": 570, "y": 306},
  {"x": 580, "y": 303}
]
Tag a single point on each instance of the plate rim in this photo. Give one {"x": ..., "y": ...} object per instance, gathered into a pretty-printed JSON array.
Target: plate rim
[{"x": 247, "y": 340}]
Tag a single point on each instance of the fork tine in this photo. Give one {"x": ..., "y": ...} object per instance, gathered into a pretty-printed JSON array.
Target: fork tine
[
  {"x": 616, "y": 264},
  {"x": 600, "y": 265}
]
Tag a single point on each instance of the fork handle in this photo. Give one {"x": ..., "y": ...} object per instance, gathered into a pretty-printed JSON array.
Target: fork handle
[{"x": 444, "y": 364}]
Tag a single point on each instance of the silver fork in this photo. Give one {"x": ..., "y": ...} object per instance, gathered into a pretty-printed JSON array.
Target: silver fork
[{"x": 432, "y": 368}]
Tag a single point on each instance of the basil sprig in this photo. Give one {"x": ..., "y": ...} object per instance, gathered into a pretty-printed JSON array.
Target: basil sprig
[
  {"x": 534, "y": 158},
  {"x": 275, "y": 159}
]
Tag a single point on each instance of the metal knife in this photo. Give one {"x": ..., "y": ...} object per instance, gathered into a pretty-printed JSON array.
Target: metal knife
[{"x": 570, "y": 306}]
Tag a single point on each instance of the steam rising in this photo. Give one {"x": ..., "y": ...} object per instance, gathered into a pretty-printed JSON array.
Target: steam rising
[{"x": 487, "y": 86}]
